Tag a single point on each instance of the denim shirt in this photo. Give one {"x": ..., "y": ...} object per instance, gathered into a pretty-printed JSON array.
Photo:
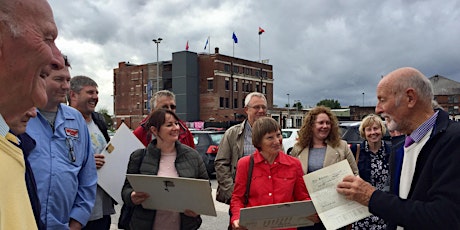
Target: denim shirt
[{"x": 64, "y": 168}]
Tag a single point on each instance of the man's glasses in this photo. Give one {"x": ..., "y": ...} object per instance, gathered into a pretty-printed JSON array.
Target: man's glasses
[
  {"x": 258, "y": 107},
  {"x": 170, "y": 107}
]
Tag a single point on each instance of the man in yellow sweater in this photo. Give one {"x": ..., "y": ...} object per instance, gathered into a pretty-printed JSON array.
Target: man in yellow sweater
[{"x": 27, "y": 55}]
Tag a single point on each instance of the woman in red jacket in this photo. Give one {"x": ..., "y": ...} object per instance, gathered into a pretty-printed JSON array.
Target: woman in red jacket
[{"x": 276, "y": 177}]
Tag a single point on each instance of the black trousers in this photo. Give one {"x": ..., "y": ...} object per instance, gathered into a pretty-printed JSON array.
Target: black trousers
[{"x": 99, "y": 224}]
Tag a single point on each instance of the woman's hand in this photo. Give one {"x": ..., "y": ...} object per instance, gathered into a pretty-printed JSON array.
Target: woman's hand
[
  {"x": 190, "y": 213},
  {"x": 139, "y": 197},
  {"x": 236, "y": 225}
]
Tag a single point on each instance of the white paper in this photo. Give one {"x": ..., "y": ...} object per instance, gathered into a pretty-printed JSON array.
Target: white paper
[
  {"x": 111, "y": 176},
  {"x": 174, "y": 193},
  {"x": 284, "y": 215},
  {"x": 333, "y": 208}
]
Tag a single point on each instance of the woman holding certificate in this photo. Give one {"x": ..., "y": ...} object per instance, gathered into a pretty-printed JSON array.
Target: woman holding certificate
[
  {"x": 276, "y": 177},
  {"x": 320, "y": 145},
  {"x": 164, "y": 156}
]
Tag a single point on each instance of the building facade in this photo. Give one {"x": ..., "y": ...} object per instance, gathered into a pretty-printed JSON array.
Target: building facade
[{"x": 208, "y": 87}]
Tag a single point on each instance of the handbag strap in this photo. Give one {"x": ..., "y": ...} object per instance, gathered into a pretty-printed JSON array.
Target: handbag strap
[
  {"x": 358, "y": 148},
  {"x": 248, "y": 183}
]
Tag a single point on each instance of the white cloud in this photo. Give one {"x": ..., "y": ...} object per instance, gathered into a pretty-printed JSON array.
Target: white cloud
[{"x": 318, "y": 49}]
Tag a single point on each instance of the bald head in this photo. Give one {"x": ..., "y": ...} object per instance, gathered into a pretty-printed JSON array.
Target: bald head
[{"x": 404, "y": 99}]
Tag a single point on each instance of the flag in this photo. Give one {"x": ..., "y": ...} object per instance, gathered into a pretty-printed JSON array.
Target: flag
[
  {"x": 235, "y": 39},
  {"x": 206, "y": 45},
  {"x": 186, "y": 46},
  {"x": 261, "y": 30}
]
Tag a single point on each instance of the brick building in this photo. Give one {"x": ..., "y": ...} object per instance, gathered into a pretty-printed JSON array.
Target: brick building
[
  {"x": 208, "y": 87},
  {"x": 447, "y": 94}
]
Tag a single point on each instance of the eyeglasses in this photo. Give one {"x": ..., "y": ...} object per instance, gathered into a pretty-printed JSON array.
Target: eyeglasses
[
  {"x": 171, "y": 107},
  {"x": 69, "y": 143},
  {"x": 258, "y": 107}
]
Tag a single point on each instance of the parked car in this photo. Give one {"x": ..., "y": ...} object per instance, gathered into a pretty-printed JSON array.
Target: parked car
[
  {"x": 289, "y": 139},
  {"x": 207, "y": 144},
  {"x": 350, "y": 134}
]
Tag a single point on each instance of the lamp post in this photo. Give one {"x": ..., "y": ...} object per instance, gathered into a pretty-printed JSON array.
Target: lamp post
[
  {"x": 289, "y": 105},
  {"x": 157, "y": 41},
  {"x": 363, "y": 99}
]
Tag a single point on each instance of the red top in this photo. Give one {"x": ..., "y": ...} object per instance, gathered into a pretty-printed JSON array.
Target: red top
[
  {"x": 279, "y": 182},
  {"x": 144, "y": 135}
]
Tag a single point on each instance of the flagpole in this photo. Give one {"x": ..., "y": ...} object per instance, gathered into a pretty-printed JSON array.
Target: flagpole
[
  {"x": 209, "y": 48},
  {"x": 259, "y": 48},
  {"x": 233, "y": 48}
]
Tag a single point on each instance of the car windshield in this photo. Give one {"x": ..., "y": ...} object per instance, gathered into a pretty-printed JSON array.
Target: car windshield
[
  {"x": 286, "y": 134},
  {"x": 216, "y": 137}
]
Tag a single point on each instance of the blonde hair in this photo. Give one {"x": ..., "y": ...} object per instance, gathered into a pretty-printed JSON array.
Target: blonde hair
[{"x": 368, "y": 121}]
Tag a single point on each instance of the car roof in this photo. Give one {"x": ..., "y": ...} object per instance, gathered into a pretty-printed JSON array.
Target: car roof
[
  {"x": 351, "y": 123},
  {"x": 207, "y": 131}
]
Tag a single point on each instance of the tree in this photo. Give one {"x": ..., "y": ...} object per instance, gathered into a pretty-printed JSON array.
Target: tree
[
  {"x": 107, "y": 117},
  {"x": 298, "y": 105},
  {"x": 331, "y": 103}
]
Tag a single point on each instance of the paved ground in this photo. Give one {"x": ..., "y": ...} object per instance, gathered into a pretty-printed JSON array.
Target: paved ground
[{"x": 209, "y": 222}]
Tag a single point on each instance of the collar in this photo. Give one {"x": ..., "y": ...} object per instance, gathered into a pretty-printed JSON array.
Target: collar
[
  {"x": 423, "y": 129},
  {"x": 4, "y": 128}
]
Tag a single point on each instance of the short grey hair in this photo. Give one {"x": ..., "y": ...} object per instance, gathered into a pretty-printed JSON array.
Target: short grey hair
[
  {"x": 251, "y": 95},
  {"x": 161, "y": 93},
  {"x": 78, "y": 82},
  {"x": 8, "y": 20},
  {"x": 419, "y": 83}
]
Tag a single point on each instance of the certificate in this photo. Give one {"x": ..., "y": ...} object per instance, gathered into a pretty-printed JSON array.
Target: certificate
[
  {"x": 111, "y": 177},
  {"x": 334, "y": 209},
  {"x": 174, "y": 193},
  {"x": 283, "y": 215}
]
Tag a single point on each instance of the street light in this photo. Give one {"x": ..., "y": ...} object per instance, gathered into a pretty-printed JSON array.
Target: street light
[
  {"x": 289, "y": 105},
  {"x": 363, "y": 99},
  {"x": 157, "y": 41}
]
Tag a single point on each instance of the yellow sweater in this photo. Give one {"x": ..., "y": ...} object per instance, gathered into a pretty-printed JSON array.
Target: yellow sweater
[{"x": 15, "y": 209}]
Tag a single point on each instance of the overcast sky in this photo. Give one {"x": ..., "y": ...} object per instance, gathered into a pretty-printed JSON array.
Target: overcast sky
[{"x": 319, "y": 49}]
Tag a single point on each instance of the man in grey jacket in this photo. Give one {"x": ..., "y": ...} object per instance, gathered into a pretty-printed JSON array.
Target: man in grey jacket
[{"x": 236, "y": 143}]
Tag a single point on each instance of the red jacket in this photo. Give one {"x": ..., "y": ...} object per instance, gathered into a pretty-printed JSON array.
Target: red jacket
[
  {"x": 279, "y": 182},
  {"x": 144, "y": 135}
]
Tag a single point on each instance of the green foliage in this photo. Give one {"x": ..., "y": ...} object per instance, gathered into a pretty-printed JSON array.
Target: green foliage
[
  {"x": 331, "y": 103},
  {"x": 298, "y": 105},
  {"x": 107, "y": 118}
]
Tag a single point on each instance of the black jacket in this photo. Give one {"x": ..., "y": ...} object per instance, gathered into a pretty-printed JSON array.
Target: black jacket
[
  {"x": 100, "y": 122},
  {"x": 434, "y": 198}
]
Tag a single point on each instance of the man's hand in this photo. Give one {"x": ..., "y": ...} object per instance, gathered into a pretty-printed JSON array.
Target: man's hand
[
  {"x": 99, "y": 159},
  {"x": 355, "y": 188},
  {"x": 74, "y": 225}
]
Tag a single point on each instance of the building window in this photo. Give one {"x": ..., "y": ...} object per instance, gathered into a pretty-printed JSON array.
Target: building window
[
  {"x": 145, "y": 105},
  {"x": 452, "y": 99},
  {"x": 235, "y": 69},
  {"x": 264, "y": 89},
  {"x": 235, "y": 103},
  {"x": 227, "y": 103},
  {"x": 257, "y": 87},
  {"x": 242, "y": 103},
  {"x": 264, "y": 74},
  {"x": 227, "y": 84},
  {"x": 227, "y": 68},
  {"x": 247, "y": 71},
  {"x": 221, "y": 102},
  {"x": 210, "y": 84},
  {"x": 257, "y": 73},
  {"x": 235, "y": 86}
]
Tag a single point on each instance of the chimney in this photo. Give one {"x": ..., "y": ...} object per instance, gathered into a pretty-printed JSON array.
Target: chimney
[{"x": 216, "y": 50}]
